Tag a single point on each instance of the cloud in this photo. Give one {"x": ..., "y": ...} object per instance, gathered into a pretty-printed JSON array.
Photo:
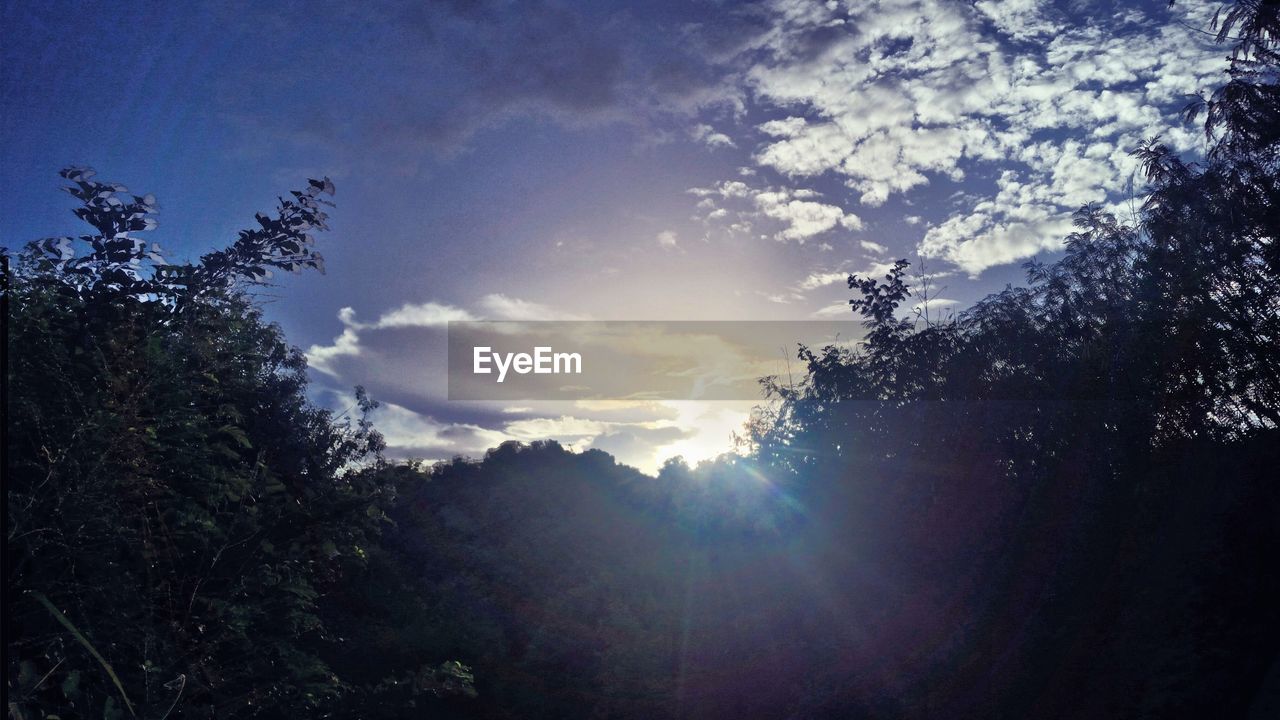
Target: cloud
[
  {"x": 637, "y": 446},
  {"x": 876, "y": 248},
  {"x": 423, "y": 315},
  {"x": 565, "y": 428},
  {"x": 540, "y": 59},
  {"x": 324, "y": 357},
  {"x": 803, "y": 218},
  {"x": 822, "y": 284},
  {"x": 708, "y": 136},
  {"x": 667, "y": 239},
  {"x": 1015, "y": 224},
  {"x": 785, "y": 128},
  {"x": 495, "y": 306},
  {"x": 724, "y": 189},
  {"x": 891, "y": 97},
  {"x": 799, "y": 213},
  {"x": 412, "y": 434},
  {"x": 439, "y": 74},
  {"x": 934, "y": 304},
  {"x": 834, "y": 310},
  {"x": 411, "y": 315},
  {"x": 822, "y": 279},
  {"x": 875, "y": 269},
  {"x": 1021, "y": 19}
]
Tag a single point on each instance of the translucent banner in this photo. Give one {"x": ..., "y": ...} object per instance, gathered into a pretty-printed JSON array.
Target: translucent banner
[{"x": 630, "y": 360}]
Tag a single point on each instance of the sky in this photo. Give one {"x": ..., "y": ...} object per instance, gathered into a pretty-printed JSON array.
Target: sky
[{"x": 595, "y": 160}]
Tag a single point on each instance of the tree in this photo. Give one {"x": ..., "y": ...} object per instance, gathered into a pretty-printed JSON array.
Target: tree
[{"x": 177, "y": 508}]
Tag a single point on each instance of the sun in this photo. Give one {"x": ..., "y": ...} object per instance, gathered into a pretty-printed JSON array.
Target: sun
[{"x": 711, "y": 426}]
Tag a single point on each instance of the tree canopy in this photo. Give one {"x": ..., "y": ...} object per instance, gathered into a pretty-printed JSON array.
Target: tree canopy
[{"x": 178, "y": 509}]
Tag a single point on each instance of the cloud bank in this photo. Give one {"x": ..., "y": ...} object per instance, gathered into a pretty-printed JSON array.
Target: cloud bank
[{"x": 1033, "y": 107}]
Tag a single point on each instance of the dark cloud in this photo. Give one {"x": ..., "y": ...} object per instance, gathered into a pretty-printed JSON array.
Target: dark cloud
[
  {"x": 421, "y": 78},
  {"x": 553, "y": 54},
  {"x": 409, "y": 77}
]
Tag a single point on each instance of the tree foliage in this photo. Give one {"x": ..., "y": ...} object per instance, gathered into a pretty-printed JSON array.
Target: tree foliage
[{"x": 178, "y": 510}]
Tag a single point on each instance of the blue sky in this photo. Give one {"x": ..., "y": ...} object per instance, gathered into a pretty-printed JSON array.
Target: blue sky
[{"x": 529, "y": 160}]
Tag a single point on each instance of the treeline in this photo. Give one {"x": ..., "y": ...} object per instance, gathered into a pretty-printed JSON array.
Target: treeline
[
  {"x": 1060, "y": 503},
  {"x": 913, "y": 586}
]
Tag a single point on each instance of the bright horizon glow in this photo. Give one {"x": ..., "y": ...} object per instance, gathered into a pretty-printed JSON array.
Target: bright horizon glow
[{"x": 712, "y": 424}]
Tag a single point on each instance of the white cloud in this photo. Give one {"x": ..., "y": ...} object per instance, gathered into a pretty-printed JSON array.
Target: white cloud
[
  {"x": 821, "y": 279},
  {"x": 790, "y": 127},
  {"x": 502, "y": 307},
  {"x": 889, "y": 97},
  {"x": 935, "y": 304},
  {"x": 725, "y": 189},
  {"x": 419, "y": 315},
  {"x": 875, "y": 269},
  {"x": 413, "y": 433},
  {"x": 876, "y": 248},
  {"x": 322, "y": 357},
  {"x": 803, "y": 218},
  {"x": 708, "y": 136},
  {"x": 835, "y": 310},
  {"x": 798, "y": 211},
  {"x": 976, "y": 241},
  {"x": 495, "y": 306},
  {"x": 1022, "y": 19},
  {"x": 564, "y": 429},
  {"x": 668, "y": 240}
]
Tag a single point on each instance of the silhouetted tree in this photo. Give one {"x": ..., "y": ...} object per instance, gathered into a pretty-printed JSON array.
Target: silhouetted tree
[{"x": 177, "y": 508}]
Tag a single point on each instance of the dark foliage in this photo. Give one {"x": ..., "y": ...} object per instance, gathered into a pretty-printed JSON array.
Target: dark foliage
[
  {"x": 930, "y": 584},
  {"x": 178, "y": 511}
]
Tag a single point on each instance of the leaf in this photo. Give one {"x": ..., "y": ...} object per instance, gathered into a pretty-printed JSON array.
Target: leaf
[
  {"x": 115, "y": 679},
  {"x": 71, "y": 685},
  {"x": 236, "y": 434}
]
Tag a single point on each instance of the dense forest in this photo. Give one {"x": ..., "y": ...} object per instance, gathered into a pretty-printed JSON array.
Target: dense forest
[{"x": 1062, "y": 502}]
